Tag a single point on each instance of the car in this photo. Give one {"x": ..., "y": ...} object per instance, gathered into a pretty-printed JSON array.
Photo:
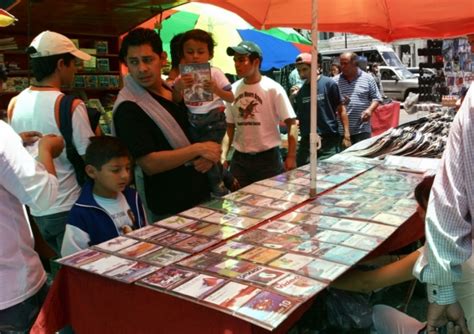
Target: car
[
  {"x": 398, "y": 82},
  {"x": 426, "y": 71}
]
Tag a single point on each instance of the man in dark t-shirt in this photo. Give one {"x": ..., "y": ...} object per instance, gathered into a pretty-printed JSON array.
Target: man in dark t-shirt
[
  {"x": 173, "y": 178},
  {"x": 329, "y": 104}
]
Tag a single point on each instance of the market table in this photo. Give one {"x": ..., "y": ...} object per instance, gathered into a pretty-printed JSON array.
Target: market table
[{"x": 94, "y": 304}]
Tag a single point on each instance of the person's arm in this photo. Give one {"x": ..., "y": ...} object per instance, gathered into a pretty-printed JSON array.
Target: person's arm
[
  {"x": 21, "y": 175},
  {"x": 226, "y": 95},
  {"x": 346, "y": 140},
  {"x": 290, "y": 162},
  {"x": 376, "y": 98},
  {"x": 220, "y": 85},
  {"x": 367, "y": 113},
  {"x": 162, "y": 161},
  {"x": 449, "y": 221},
  {"x": 81, "y": 128},
  {"x": 74, "y": 240},
  {"x": 226, "y": 145},
  {"x": 10, "y": 108},
  {"x": 367, "y": 281},
  {"x": 50, "y": 147}
]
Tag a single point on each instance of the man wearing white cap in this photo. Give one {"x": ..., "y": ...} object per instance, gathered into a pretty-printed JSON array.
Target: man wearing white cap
[{"x": 53, "y": 61}]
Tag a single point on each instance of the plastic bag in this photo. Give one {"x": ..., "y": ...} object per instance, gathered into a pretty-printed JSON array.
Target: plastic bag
[
  {"x": 348, "y": 310},
  {"x": 410, "y": 103}
]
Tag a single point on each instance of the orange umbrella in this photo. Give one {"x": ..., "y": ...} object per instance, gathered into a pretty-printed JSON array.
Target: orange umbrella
[{"x": 386, "y": 20}]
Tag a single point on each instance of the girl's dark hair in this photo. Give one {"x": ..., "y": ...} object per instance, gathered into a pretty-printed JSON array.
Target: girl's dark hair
[
  {"x": 201, "y": 36},
  {"x": 422, "y": 191},
  {"x": 43, "y": 67},
  {"x": 140, "y": 36},
  {"x": 102, "y": 149}
]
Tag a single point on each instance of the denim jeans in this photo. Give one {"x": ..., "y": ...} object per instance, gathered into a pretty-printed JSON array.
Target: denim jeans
[
  {"x": 249, "y": 167},
  {"x": 330, "y": 145},
  {"x": 209, "y": 127},
  {"x": 52, "y": 229},
  {"x": 20, "y": 317}
]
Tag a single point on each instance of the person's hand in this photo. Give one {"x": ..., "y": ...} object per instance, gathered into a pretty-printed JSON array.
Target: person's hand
[
  {"x": 294, "y": 90},
  {"x": 453, "y": 329},
  {"x": 226, "y": 164},
  {"x": 210, "y": 151},
  {"x": 209, "y": 85},
  {"x": 187, "y": 80},
  {"x": 346, "y": 142},
  {"x": 51, "y": 144},
  {"x": 30, "y": 137},
  {"x": 365, "y": 116},
  {"x": 290, "y": 163},
  {"x": 439, "y": 315},
  {"x": 202, "y": 165}
]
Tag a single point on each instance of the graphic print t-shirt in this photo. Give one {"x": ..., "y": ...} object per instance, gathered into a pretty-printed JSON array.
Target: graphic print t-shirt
[
  {"x": 120, "y": 212},
  {"x": 256, "y": 112}
]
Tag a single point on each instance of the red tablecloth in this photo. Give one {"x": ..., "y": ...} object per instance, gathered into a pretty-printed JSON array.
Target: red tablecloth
[
  {"x": 385, "y": 117},
  {"x": 94, "y": 304}
]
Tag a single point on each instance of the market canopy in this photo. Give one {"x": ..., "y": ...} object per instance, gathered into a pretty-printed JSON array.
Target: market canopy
[
  {"x": 386, "y": 20},
  {"x": 229, "y": 29}
]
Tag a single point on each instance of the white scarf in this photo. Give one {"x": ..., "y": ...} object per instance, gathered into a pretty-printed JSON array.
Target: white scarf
[{"x": 133, "y": 92}]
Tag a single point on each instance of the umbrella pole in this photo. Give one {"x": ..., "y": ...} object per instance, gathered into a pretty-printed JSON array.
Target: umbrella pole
[{"x": 314, "y": 139}]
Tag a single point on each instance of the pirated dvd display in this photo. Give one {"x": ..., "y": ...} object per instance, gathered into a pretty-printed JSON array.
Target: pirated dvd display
[
  {"x": 261, "y": 255},
  {"x": 298, "y": 286},
  {"x": 231, "y": 267},
  {"x": 115, "y": 244},
  {"x": 199, "y": 286},
  {"x": 164, "y": 256},
  {"x": 146, "y": 232},
  {"x": 232, "y": 295},
  {"x": 268, "y": 308},
  {"x": 168, "y": 277},
  {"x": 232, "y": 248}
]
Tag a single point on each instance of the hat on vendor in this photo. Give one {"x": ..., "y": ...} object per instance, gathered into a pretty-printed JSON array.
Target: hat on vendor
[
  {"x": 49, "y": 43},
  {"x": 245, "y": 48},
  {"x": 305, "y": 58}
]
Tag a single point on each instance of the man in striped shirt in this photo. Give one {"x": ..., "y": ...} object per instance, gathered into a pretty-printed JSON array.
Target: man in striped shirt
[
  {"x": 360, "y": 95},
  {"x": 449, "y": 233}
]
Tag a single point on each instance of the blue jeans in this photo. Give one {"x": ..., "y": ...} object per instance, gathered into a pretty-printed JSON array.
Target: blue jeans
[
  {"x": 20, "y": 317},
  {"x": 209, "y": 127},
  {"x": 330, "y": 145},
  {"x": 252, "y": 167},
  {"x": 52, "y": 229}
]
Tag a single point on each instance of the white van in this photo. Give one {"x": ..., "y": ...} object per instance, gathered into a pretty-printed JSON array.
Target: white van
[{"x": 382, "y": 54}]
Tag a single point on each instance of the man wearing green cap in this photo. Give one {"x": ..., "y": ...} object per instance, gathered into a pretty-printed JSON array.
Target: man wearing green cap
[{"x": 253, "y": 119}]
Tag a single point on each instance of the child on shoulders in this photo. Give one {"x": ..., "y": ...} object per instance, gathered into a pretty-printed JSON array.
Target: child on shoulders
[
  {"x": 107, "y": 207},
  {"x": 207, "y": 119}
]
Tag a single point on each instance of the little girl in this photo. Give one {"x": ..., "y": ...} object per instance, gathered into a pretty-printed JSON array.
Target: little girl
[{"x": 207, "y": 119}]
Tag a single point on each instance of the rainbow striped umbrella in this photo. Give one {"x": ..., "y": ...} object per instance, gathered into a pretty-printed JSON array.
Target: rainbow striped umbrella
[{"x": 280, "y": 46}]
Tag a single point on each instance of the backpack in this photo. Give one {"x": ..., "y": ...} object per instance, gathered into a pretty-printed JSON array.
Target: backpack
[{"x": 65, "y": 127}]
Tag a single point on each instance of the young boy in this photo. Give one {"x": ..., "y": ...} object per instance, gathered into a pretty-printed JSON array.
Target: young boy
[
  {"x": 107, "y": 207},
  {"x": 207, "y": 119}
]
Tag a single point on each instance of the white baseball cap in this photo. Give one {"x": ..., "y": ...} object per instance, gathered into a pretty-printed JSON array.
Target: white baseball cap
[{"x": 50, "y": 43}]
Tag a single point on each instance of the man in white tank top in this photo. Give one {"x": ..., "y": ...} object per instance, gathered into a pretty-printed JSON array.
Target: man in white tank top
[{"x": 53, "y": 60}]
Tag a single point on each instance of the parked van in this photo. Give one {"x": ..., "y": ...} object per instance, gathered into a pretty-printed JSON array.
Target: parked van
[{"x": 382, "y": 54}]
